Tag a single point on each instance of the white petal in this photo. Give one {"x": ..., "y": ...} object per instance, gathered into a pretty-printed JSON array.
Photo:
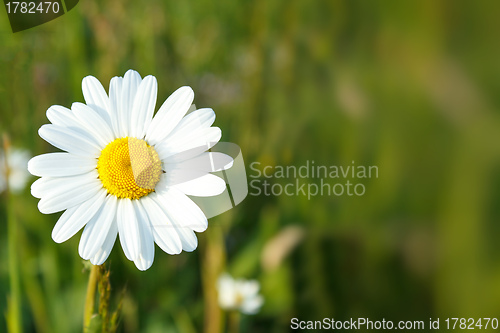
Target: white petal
[
  {"x": 175, "y": 177},
  {"x": 201, "y": 118},
  {"x": 169, "y": 114},
  {"x": 189, "y": 130},
  {"x": 249, "y": 288},
  {"x": 61, "y": 116},
  {"x": 177, "y": 217},
  {"x": 204, "y": 186},
  {"x": 37, "y": 188},
  {"x": 97, "y": 229},
  {"x": 191, "y": 125},
  {"x": 18, "y": 176},
  {"x": 224, "y": 282},
  {"x": 131, "y": 82},
  {"x": 147, "y": 252},
  {"x": 48, "y": 187},
  {"x": 103, "y": 253},
  {"x": 163, "y": 230},
  {"x": 73, "y": 219},
  {"x": 227, "y": 291},
  {"x": 252, "y": 305},
  {"x": 94, "y": 93},
  {"x": 128, "y": 229},
  {"x": 206, "y": 137},
  {"x": 207, "y": 162},
  {"x": 60, "y": 165},
  {"x": 69, "y": 140},
  {"x": 115, "y": 104},
  {"x": 93, "y": 123},
  {"x": 181, "y": 156},
  {"x": 143, "y": 107},
  {"x": 73, "y": 197},
  {"x": 181, "y": 205}
]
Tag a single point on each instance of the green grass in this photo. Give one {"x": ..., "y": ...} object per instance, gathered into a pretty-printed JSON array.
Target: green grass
[{"x": 412, "y": 87}]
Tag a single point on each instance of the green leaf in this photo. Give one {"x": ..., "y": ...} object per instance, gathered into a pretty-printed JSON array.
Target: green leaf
[{"x": 95, "y": 325}]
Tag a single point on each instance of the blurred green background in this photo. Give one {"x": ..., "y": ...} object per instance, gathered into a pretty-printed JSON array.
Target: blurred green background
[{"x": 412, "y": 87}]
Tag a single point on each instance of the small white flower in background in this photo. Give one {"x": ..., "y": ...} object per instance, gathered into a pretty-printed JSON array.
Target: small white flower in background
[
  {"x": 17, "y": 160},
  {"x": 240, "y": 295},
  {"x": 127, "y": 173}
]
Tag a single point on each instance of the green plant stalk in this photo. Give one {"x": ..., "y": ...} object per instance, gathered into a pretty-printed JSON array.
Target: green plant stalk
[
  {"x": 234, "y": 318},
  {"x": 14, "y": 322},
  {"x": 14, "y": 302},
  {"x": 33, "y": 290},
  {"x": 212, "y": 265},
  {"x": 90, "y": 297},
  {"x": 104, "y": 289}
]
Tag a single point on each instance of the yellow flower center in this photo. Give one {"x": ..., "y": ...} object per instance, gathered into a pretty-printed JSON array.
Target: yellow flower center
[
  {"x": 129, "y": 168},
  {"x": 238, "y": 299}
]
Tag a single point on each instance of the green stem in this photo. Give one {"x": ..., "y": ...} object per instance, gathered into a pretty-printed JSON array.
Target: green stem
[
  {"x": 90, "y": 297},
  {"x": 14, "y": 322},
  {"x": 211, "y": 266},
  {"x": 234, "y": 321}
]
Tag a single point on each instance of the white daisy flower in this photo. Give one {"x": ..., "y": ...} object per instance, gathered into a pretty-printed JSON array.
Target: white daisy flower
[
  {"x": 240, "y": 295},
  {"x": 127, "y": 173},
  {"x": 15, "y": 167}
]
